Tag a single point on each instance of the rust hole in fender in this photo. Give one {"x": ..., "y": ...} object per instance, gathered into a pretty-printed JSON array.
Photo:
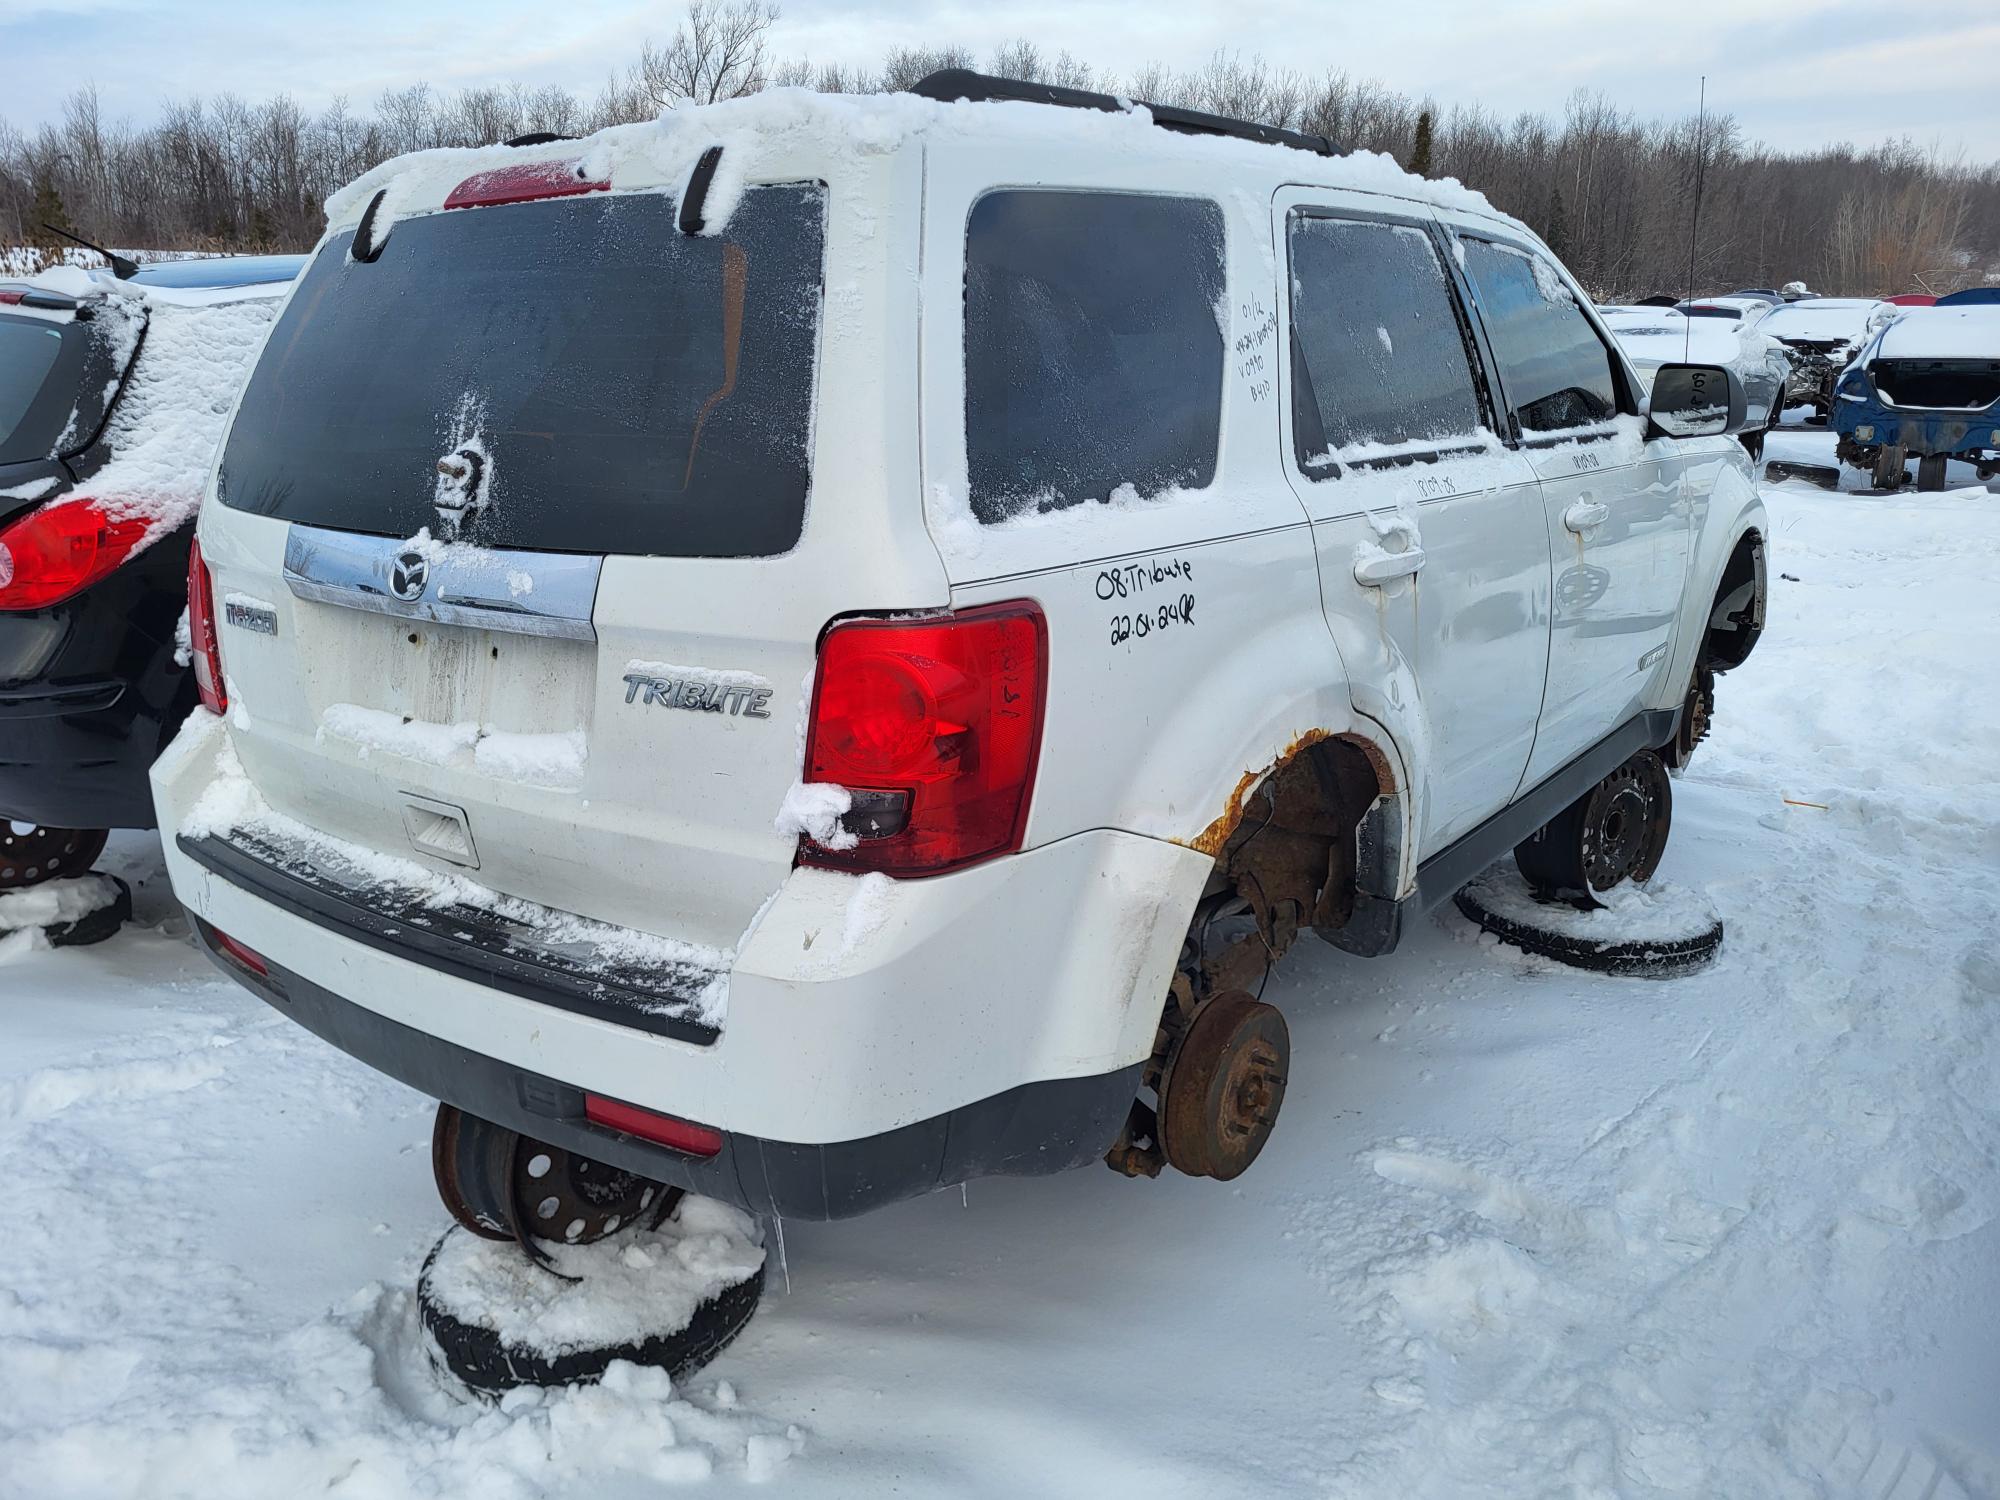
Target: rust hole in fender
[{"x": 1215, "y": 837}]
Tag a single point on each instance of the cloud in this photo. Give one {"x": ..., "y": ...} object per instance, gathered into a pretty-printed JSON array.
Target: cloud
[{"x": 1794, "y": 73}]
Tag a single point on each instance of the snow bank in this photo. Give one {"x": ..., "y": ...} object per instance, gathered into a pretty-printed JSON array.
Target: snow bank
[
  {"x": 629, "y": 1286},
  {"x": 1520, "y": 1232}
]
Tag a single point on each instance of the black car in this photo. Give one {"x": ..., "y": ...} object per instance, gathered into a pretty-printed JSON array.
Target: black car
[{"x": 111, "y": 393}]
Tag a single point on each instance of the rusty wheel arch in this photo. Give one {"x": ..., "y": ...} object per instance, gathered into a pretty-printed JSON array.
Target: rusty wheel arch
[{"x": 1297, "y": 845}]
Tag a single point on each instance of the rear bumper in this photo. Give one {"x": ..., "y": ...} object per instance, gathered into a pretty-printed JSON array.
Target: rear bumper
[
  {"x": 90, "y": 692},
  {"x": 987, "y": 1021},
  {"x": 1030, "y": 1131},
  {"x": 1961, "y": 434}
]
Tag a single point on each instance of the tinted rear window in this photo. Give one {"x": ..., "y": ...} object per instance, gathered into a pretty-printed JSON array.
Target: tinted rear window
[
  {"x": 1093, "y": 351},
  {"x": 1557, "y": 370},
  {"x": 28, "y": 351},
  {"x": 1381, "y": 355},
  {"x": 628, "y": 388}
]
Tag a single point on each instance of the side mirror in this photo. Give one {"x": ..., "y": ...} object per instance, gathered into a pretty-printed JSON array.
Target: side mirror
[{"x": 1696, "y": 401}]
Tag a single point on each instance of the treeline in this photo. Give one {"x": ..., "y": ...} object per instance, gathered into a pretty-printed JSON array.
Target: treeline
[{"x": 1612, "y": 192}]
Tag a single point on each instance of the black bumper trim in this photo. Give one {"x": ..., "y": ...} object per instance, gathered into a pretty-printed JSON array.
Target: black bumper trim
[
  {"x": 478, "y": 948},
  {"x": 1035, "y": 1130},
  {"x": 51, "y": 702}
]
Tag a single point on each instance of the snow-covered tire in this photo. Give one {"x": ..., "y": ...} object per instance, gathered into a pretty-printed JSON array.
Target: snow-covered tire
[
  {"x": 96, "y": 926},
  {"x": 1889, "y": 461},
  {"x": 1652, "y": 957},
  {"x": 485, "y": 1363}
]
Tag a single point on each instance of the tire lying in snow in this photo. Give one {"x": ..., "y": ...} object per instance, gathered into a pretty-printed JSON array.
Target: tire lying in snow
[
  {"x": 672, "y": 1297},
  {"x": 1656, "y": 932},
  {"x": 70, "y": 913}
]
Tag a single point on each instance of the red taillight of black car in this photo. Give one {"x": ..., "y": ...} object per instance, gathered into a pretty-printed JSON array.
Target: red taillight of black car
[
  {"x": 934, "y": 726},
  {"x": 58, "y": 550},
  {"x": 202, "y": 645}
]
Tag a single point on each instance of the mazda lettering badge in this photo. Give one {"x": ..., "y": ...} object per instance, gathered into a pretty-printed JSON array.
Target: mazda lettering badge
[{"x": 408, "y": 575}]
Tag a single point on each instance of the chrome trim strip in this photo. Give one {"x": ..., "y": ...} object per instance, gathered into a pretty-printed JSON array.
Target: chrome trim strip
[{"x": 478, "y": 587}]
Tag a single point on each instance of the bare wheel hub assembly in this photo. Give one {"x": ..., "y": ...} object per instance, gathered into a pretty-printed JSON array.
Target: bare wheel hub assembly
[{"x": 1223, "y": 1086}]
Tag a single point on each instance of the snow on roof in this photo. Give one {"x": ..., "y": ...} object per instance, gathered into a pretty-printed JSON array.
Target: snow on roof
[
  {"x": 190, "y": 290},
  {"x": 1971, "y": 332},
  {"x": 778, "y": 122}
]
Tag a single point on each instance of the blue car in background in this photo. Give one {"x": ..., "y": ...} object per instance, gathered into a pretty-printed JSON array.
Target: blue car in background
[{"x": 1927, "y": 386}]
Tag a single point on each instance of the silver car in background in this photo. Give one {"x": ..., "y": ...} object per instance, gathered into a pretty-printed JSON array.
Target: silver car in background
[{"x": 1656, "y": 336}]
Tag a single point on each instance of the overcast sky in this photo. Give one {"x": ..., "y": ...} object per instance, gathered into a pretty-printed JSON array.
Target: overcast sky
[{"x": 1795, "y": 73}]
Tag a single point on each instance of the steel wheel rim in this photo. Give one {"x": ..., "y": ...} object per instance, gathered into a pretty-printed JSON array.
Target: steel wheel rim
[
  {"x": 1624, "y": 831},
  {"x": 31, "y": 853},
  {"x": 576, "y": 1199}
]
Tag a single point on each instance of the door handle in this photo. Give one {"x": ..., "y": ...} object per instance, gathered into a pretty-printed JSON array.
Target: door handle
[
  {"x": 1585, "y": 514},
  {"x": 1375, "y": 567}
]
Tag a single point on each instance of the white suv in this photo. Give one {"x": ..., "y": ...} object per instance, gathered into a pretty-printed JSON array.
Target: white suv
[{"x": 816, "y": 649}]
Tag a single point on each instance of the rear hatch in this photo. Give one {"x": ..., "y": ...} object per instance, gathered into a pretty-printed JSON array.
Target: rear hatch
[
  {"x": 62, "y": 360},
  {"x": 548, "y": 505},
  {"x": 1938, "y": 384}
]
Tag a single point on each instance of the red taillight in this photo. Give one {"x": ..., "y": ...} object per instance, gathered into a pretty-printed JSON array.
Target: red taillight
[
  {"x": 203, "y": 649},
  {"x": 51, "y": 553},
  {"x": 11, "y": 298},
  {"x": 935, "y": 727},
  {"x": 664, "y": 1130},
  {"x": 242, "y": 957},
  {"x": 522, "y": 184}
]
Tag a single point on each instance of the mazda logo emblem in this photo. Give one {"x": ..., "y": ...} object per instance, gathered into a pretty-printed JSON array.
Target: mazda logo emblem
[{"x": 408, "y": 575}]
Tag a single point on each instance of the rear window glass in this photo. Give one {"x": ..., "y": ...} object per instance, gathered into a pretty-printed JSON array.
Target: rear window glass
[
  {"x": 1093, "y": 347},
  {"x": 28, "y": 351},
  {"x": 620, "y": 386},
  {"x": 1557, "y": 370},
  {"x": 1381, "y": 355}
]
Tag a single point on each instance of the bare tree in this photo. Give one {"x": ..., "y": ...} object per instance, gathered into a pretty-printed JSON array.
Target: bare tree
[
  {"x": 1616, "y": 189},
  {"x": 717, "y": 53}
]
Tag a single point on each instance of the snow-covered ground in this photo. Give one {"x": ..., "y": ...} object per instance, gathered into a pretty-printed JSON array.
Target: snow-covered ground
[{"x": 1522, "y": 1231}]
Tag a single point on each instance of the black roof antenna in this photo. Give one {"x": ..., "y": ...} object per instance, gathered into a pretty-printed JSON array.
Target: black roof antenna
[
  {"x": 1694, "y": 217},
  {"x": 122, "y": 268}
]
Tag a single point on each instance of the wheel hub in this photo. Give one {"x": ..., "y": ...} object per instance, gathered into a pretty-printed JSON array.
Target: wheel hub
[
  {"x": 1224, "y": 1086},
  {"x": 503, "y": 1185},
  {"x": 31, "y": 853},
  {"x": 1620, "y": 839}
]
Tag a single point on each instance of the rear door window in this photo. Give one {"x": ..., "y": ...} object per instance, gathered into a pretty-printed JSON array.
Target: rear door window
[
  {"x": 1379, "y": 353},
  {"x": 1093, "y": 348},
  {"x": 1555, "y": 367},
  {"x": 627, "y": 388},
  {"x": 29, "y": 350}
]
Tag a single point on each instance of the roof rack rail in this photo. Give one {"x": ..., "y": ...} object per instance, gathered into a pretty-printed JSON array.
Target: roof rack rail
[{"x": 948, "y": 84}]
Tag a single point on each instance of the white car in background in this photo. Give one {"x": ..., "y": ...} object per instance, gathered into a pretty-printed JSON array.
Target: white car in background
[
  {"x": 1656, "y": 336},
  {"x": 1822, "y": 335}
]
